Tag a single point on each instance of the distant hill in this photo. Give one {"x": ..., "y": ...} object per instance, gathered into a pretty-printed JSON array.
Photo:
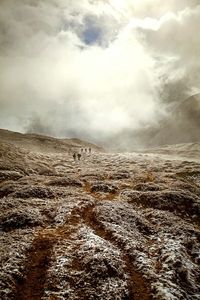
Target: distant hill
[
  {"x": 44, "y": 144},
  {"x": 189, "y": 151}
]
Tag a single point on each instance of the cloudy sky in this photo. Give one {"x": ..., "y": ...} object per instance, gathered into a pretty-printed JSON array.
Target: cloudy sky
[{"x": 91, "y": 68}]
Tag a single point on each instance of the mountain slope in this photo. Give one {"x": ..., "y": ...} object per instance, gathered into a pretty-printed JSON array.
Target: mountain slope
[
  {"x": 41, "y": 143},
  {"x": 182, "y": 125}
]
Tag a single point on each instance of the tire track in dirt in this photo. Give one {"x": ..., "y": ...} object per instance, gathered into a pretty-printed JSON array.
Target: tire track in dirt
[{"x": 138, "y": 286}]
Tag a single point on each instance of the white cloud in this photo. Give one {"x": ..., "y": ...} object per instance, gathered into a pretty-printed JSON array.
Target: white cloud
[
  {"x": 177, "y": 40},
  {"x": 83, "y": 67}
]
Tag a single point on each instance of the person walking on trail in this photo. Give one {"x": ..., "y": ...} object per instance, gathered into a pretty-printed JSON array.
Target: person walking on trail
[
  {"x": 79, "y": 156},
  {"x": 90, "y": 150},
  {"x": 81, "y": 149},
  {"x": 85, "y": 150},
  {"x": 74, "y": 156}
]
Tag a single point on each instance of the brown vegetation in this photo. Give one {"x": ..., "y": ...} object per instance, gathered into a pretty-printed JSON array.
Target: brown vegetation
[{"x": 114, "y": 227}]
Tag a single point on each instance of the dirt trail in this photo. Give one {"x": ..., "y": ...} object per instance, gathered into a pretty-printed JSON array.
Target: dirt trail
[
  {"x": 32, "y": 286},
  {"x": 138, "y": 286},
  {"x": 37, "y": 262},
  {"x": 39, "y": 256},
  {"x": 111, "y": 226}
]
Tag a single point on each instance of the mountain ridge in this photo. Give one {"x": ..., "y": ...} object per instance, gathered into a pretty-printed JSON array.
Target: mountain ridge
[{"x": 43, "y": 143}]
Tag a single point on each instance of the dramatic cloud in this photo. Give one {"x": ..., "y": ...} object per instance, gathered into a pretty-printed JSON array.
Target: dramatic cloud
[{"x": 94, "y": 68}]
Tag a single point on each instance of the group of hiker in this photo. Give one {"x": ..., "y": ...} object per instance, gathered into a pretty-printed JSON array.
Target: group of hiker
[{"x": 77, "y": 156}]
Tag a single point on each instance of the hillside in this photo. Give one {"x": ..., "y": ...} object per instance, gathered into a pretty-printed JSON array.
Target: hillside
[
  {"x": 108, "y": 227},
  {"x": 182, "y": 125},
  {"x": 43, "y": 144},
  {"x": 188, "y": 151}
]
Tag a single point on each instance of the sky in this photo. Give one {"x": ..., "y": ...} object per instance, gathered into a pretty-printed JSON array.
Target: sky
[{"x": 94, "y": 68}]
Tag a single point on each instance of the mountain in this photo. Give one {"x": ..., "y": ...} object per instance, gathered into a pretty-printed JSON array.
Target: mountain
[
  {"x": 44, "y": 144},
  {"x": 182, "y": 124}
]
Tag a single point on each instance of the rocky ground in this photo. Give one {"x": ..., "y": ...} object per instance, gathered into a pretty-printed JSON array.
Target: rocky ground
[{"x": 112, "y": 226}]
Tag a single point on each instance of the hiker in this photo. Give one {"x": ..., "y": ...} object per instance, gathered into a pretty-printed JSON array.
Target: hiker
[
  {"x": 81, "y": 149},
  {"x": 85, "y": 150},
  {"x": 90, "y": 150},
  {"x": 79, "y": 156},
  {"x": 74, "y": 156}
]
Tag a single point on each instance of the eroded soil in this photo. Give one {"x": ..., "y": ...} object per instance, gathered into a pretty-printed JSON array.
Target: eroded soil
[{"x": 112, "y": 226}]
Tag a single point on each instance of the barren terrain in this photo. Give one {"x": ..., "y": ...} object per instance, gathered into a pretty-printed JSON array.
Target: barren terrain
[{"x": 111, "y": 226}]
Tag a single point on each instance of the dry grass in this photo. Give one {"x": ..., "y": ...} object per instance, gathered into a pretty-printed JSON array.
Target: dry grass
[{"x": 108, "y": 227}]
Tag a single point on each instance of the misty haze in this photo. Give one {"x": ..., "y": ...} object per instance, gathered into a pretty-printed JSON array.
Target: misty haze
[{"x": 99, "y": 150}]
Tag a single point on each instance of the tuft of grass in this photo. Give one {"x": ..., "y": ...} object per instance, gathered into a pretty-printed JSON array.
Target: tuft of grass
[{"x": 150, "y": 177}]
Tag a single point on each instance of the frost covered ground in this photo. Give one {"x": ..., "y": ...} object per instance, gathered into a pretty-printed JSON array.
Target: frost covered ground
[{"x": 112, "y": 226}]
